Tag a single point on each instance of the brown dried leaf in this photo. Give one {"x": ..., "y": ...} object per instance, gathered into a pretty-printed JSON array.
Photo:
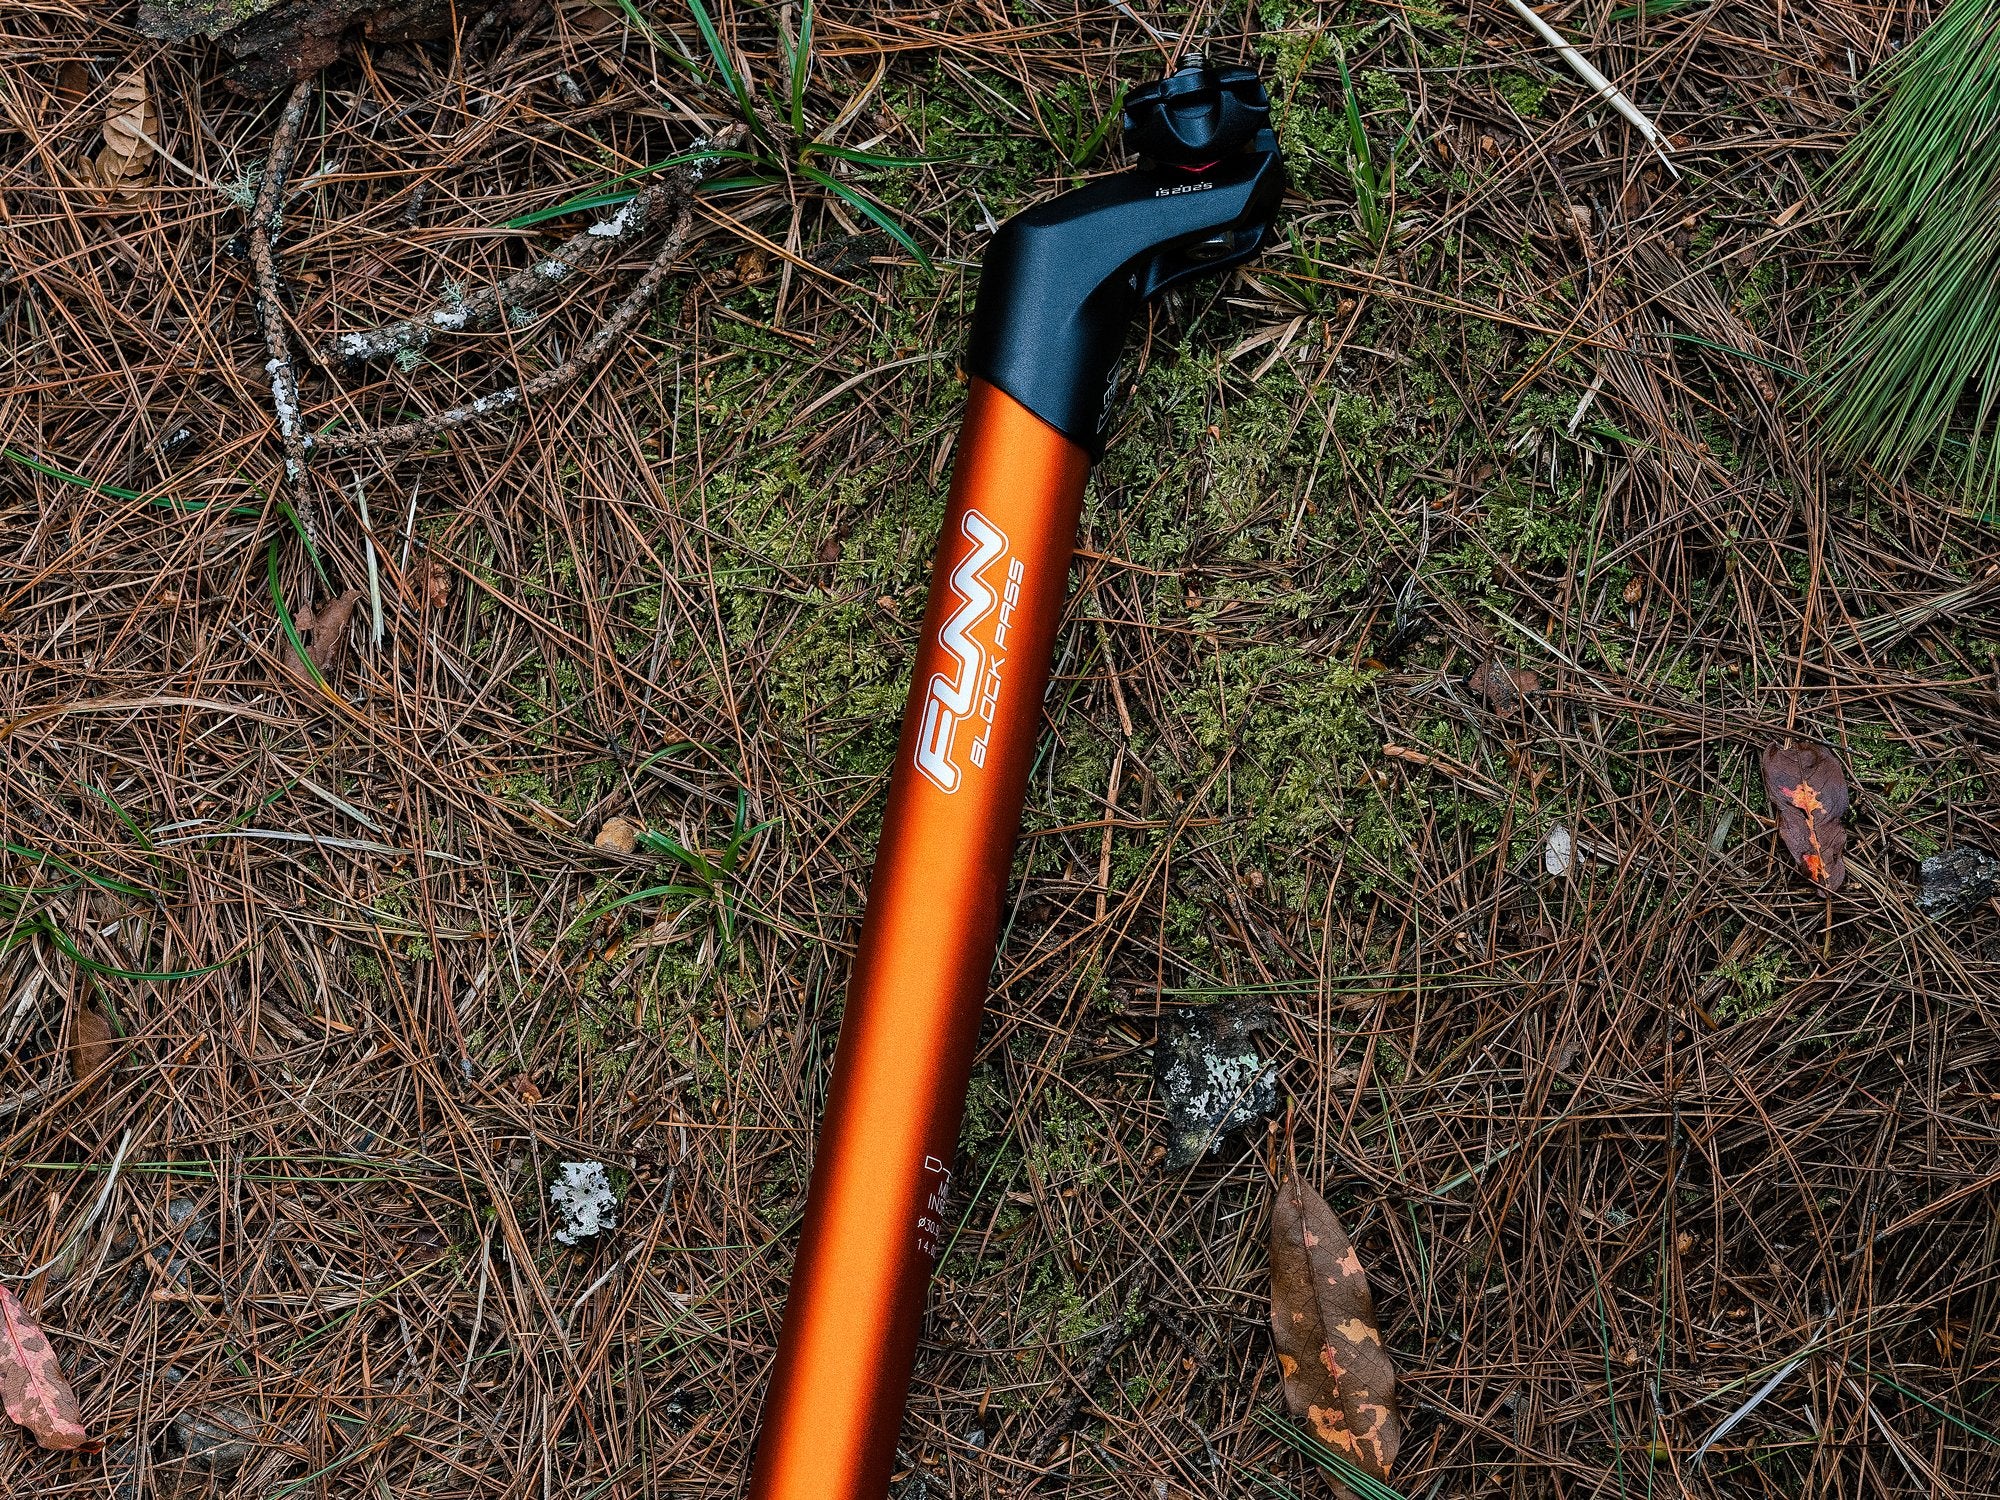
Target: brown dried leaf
[
  {"x": 32, "y": 1384},
  {"x": 433, "y": 582},
  {"x": 72, "y": 81},
  {"x": 131, "y": 125},
  {"x": 1503, "y": 686},
  {"x": 1809, "y": 789},
  {"x": 1338, "y": 1375},
  {"x": 92, "y": 1043},
  {"x": 325, "y": 633}
]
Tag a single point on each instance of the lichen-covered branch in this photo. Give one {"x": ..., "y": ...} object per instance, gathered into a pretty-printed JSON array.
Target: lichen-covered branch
[
  {"x": 265, "y": 215},
  {"x": 587, "y": 357},
  {"x": 525, "y": 289}
]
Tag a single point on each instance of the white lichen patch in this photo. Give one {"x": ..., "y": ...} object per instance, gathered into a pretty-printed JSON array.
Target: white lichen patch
[
  {"x": 284, "y": 397},
  {"x": 1214, "y": 1085},
  {"x": 584, "y": 1203},
  {"x": 1558, "y": 851},
  {"x": 1211, "y": 1080},
  {"x": 617, "y": 224}
]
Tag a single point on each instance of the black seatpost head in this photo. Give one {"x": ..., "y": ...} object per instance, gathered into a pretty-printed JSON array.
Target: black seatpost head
[
  {"x": 1196, "y": 116},
  {"x": 1062, "y": 281}
]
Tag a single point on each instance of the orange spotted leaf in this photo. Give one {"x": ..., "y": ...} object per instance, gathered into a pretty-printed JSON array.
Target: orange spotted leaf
[
  {"x": 1809, "y": 790},
  {"x": 32, "y": 1385},
  {"x": 1337, "y": 1373}
]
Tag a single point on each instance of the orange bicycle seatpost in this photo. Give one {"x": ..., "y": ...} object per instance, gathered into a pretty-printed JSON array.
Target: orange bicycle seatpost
[{"x": 1058, "y": 290}]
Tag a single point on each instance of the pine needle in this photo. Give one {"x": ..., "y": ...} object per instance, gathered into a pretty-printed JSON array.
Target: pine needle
[{"x": 1914, "y": 376}]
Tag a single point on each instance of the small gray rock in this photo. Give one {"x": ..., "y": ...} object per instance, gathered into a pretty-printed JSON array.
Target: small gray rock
[
  {"x": 216, "y": 1439},
  {"x": 1211, "y": 1079},
  {"x": 195, "y": 1230},
  {"x": 682, "y": 1406},
  {"x": 122, "y": 1469},
  {"x": 1957, "y": 882}
]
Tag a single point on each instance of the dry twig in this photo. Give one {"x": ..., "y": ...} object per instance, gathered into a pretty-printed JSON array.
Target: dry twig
[
  {"x": 549, "y": 382},
  {"x": 266, "y": 217}
]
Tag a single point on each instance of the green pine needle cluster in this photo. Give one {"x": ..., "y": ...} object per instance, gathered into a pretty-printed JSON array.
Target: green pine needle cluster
[{"x": 1915, "y": 374}]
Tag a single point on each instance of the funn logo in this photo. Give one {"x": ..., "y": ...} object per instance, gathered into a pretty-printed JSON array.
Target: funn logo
[{"x": 950, "y": 700}]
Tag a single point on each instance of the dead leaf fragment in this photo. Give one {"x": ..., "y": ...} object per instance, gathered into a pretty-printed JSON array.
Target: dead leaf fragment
[
  {"x": 433, "y": 582},
  {"x": 618, "y": 836},
  {"x": 325, "y": 633},
  {"x": 1338, "y": 1376},
  {"x": 1809, "y": 788},
  {"x": 72, "y": 81},
  {"x": 92, "y": 1043},
  {"x": 1503, "y": 686},
  {"x": 32, "y": 1385},
  {"x": 131, "y": 125}
]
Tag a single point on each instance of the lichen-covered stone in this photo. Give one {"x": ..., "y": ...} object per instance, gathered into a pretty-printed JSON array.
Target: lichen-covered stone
[
  {"x": 216, "y": 1439},
  {"x": 1211, "y": 1079},
  {"x": 1957, "y": 882}
]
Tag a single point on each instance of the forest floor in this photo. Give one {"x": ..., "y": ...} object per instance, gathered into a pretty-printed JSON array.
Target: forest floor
[{"x": 1451, "y": 570}]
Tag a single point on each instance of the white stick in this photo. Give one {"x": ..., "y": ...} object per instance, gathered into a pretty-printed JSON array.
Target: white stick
[
  {"x": 76, "y": 1235},
  {"x": 1604, "y": 87},
  {"x": 1728, "y": 1423},
  {"x": 374, "y": 574}
]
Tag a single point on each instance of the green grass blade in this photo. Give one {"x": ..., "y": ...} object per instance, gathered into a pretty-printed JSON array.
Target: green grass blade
[
  {"x": 875, "y": 215},
  {"x": 691, "y": 891},
  {"x": 1096, "y": 137},
  {"x": 145, "y": 840},
  {"x": 165, "y": 502},
  {"x": 103, "y": 882},
  {"x": 802, "y": 68},
  {"x": 1360, "y": 163},
  {"x": 1364, "y": 1484},
  {"x": 872, "y": 159},
  {"x": 605, "y": 194},
  {"x": 706, "y": 24},
  {"x": 165, "y": 976},
  {"x": 285, "y": 617},
  {"x": 1924, "y": 1401}
]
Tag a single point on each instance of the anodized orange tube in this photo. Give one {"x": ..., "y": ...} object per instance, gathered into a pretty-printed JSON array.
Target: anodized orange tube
[{"x": 875, "y": 1214}]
